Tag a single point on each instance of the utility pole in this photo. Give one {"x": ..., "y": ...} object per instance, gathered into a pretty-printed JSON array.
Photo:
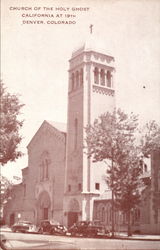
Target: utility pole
[{"x": 112, "y": 199}]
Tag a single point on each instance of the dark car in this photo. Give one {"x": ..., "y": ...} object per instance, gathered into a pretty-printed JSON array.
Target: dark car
[
  {"x": 52, "y": 227},
  {"x": 88, "y": 229},
  {"x": 24, "y": 227}
]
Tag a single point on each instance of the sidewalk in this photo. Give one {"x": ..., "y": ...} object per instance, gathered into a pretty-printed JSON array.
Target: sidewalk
[
  {"x": 137, "y": 237},
  {"x": 5, "y": 229},
  {"x": 117, "y": 235}
]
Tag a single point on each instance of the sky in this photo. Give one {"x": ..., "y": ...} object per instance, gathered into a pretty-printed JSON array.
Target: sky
[{"x": 34, "y": 57}]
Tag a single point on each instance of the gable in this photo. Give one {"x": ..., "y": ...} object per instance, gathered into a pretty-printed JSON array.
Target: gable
[{"x": 49, "y": 129}]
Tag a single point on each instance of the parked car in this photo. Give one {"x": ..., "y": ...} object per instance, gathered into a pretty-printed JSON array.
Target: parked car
[
  {"x": 24, "y": 227},
  {"x": 88, "y": 229},
  {"x": 2, "y": 221},
  {"x": 52, "y": 227}
]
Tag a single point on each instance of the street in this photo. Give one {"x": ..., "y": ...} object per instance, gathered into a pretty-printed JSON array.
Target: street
[{"x": 36, "y": 241}]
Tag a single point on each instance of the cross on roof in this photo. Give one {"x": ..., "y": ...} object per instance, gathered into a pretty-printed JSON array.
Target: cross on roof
[{"x": 91, "y": 28}]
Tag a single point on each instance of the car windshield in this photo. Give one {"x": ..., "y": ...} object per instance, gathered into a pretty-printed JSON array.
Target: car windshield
[
  {"x": 54, "y": 222},
  {"x": 25, "y": 222},
  {"x": 82, "y": 223},
  {"x": 49, "y": 222}
]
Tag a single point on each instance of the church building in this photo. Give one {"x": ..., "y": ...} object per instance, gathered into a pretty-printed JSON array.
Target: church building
[
  {"x": 60, "y": 182},
  {"x": 90, "y": 93}
]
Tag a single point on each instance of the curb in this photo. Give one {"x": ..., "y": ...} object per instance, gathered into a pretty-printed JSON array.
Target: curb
[{"x": 129, "y": 238}]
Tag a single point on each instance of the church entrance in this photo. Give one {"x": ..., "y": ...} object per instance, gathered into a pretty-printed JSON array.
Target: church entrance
[
  {"x": 45, "y": 213},
  {"x": 73, "y": 212},
  {"x": 72, "y": 218},
  {"x": 43, "y": 207},
  {"x": 12, "y": 219}
]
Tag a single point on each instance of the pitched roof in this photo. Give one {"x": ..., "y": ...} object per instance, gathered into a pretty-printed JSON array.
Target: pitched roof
[
  {"x": 93, "y": 43},
  {"x": 61, "y": 127},
  {"x": 58, "y": 125}
]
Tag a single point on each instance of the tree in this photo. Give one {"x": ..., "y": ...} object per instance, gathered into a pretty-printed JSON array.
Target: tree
[
  {"x": 10, "y": 107},
  {"x": 150, "y": 140},
  {"x": 112, "y": 137},
  {"x": 6, "y": 187}
]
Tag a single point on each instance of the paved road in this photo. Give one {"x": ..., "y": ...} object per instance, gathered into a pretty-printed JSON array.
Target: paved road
[{"x": 32, "y": 241}]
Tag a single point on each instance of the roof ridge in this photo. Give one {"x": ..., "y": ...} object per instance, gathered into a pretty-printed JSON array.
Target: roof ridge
[{"x": 58, "y": 125}]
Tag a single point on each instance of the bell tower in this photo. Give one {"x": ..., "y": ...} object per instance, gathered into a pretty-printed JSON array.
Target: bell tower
[{"x": 90, "y": 93}]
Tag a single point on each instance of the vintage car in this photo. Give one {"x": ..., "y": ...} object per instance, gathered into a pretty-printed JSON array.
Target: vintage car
[
  {"x": 88, "y": 229},
  {"x": 24, "y": 227},
  {"x": 52, "y": 227}
]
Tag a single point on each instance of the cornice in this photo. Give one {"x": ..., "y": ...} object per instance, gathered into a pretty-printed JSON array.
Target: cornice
[{"x": 103, "y": 90}]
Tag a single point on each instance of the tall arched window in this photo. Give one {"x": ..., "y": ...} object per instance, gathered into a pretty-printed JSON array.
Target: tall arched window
[
  {"x": 75, "y": 133},
  {"x": 137, "y": 214},
  {"x": 102, "y": 77},
  {"x": 24, "y": 186},
  {"x": 110, "y": 214},
  {"x": 81, "y": 77},
  {"x": 109, "y": 79},
  {"x": 46, "y": 168},
  {"x": 96, "y": 76},
  {"x": 145, "y": 167},
  {"x": 77, "y": 78},
  {"x": 103, "y": 214},
  {"x": 72, "y": 81},
  {"x": 43, "y": 170}
]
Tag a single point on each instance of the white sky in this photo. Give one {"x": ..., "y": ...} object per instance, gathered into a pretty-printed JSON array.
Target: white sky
[{"x": 35, "y": 57}]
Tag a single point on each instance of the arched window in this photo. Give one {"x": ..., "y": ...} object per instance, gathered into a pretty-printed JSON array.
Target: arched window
[
  {"x": 46, "y": 169},
  {"x": 41, "y": 172},
  {"x": 76, "y": 133},
  {"x": 44, "y": 166},
  {"x": 81, "y": 77},
  {"x": 109, "y": 79},
  {"x": 72, "y": 81},
  {"x": 110, "y": 214},
  {"x": 103, "y": 214},
  {"x": 102, "y": 77},
  {"x": 98, "y": 216},
  {"x": 96, "y": 76},
  {"x": 24, "y": 193},
  {"x": 137, "y": 214},
  {"x": 77, "y": 78},
  {"x": 145, "y": 167}
]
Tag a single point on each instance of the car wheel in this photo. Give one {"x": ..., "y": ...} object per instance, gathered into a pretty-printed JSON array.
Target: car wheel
[
  {"x": 73, "y": 234},
  {"x": 92, "y": 234},
  {"x": 52, "y": 232},
  {"x": 40, "y": 231}
]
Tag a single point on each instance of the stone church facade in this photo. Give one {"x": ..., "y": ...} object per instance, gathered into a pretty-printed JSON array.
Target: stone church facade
[
  {"x": 60, "y": 182},
  {"x": 40, "y": 195}
]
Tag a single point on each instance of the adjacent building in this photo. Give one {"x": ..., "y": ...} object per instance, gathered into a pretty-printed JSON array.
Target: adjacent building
[{"x": 146, "y": 216}]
